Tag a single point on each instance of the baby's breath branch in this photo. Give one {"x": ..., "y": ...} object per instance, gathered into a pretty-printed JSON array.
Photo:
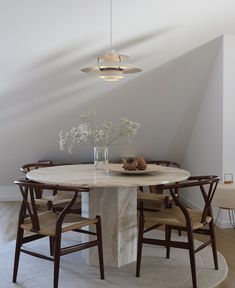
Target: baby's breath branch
[{"x": 89, "y": 132}]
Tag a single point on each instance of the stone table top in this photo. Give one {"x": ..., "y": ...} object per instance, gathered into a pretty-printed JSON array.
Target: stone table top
[{"x": 85, "y": 175}]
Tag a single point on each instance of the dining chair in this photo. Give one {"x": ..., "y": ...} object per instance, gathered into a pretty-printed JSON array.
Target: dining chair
[
  {"x": 168, "y": 163},
  {"x": 56, "y": 200},
  {"x": 52, "y": 224},
  {"x": 153, "y": 198},
  {"x": 31, "y": 166},
  {"x": 179, "y": 217}
]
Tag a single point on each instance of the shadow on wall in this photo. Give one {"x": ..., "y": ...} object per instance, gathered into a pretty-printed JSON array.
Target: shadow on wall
[
  {"x": 165, "y": 101},
  {"x": 56, "y": 81}
]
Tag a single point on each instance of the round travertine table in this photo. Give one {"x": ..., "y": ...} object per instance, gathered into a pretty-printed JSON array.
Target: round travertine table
[{"x": 113, "y": 196}]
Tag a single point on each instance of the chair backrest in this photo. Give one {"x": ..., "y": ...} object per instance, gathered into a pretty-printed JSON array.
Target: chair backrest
[
  {"x": 40, "y": 164},
  {"x": 165, "y": 163},
  {"x": 31, "y": 166},
  {"x": 207, "y": 185},
  {"x": 29, "y": 190}
]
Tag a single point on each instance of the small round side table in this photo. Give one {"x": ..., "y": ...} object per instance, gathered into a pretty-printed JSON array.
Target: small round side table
[{"x": 225, "y": 199}]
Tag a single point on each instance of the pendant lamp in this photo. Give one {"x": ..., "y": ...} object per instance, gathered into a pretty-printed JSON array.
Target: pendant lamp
[{"x": 111, "y": 66}]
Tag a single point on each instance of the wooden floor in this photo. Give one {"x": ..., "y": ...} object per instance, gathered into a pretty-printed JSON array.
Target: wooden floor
[{"x": 225, "y": 238}]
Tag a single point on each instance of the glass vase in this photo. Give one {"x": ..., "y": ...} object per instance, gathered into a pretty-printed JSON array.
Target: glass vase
[{"x": 101, "y": 157}]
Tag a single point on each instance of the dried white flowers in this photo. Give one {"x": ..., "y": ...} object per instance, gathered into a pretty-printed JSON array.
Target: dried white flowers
[{"x": 103, "y": 135}]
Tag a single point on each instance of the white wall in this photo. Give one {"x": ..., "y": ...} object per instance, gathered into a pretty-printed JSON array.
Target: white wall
[
  {"x": 228, "y": 116},
  {"x": 211, "y": 146},
  {"x": 165, "y": 101},
  {"x": 44, "y": 44},
  {"x": 204, "y": 151},
  {"x": 229, "y": 105}
]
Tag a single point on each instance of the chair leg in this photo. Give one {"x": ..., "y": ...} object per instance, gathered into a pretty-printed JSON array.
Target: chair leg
[
  {"x": 168, "y": 239},
  {"x": 20, "y": 234},
  {"x": 57, "y": 244},
  {"x": 51, "y": 243},
  {"x": 100, "y": 246},
  {"x": 213, "y": 244},
  {"x": 140, "y": 243},
  {"x": 38, "y": 192},
  {"x": 49, "y": 205},
  {"x": 192, "y": 258}
]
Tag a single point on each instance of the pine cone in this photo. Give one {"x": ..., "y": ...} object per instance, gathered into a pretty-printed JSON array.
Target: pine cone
[
  {"x": 142, "y": 165},
  {"x": 130, "y": 164}
]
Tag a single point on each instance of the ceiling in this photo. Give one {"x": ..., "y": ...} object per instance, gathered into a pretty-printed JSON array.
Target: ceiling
[{"x": 152, "y": 32}]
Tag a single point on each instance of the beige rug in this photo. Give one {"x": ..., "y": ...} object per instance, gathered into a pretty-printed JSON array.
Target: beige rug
[{"x": 156, "y": 270}]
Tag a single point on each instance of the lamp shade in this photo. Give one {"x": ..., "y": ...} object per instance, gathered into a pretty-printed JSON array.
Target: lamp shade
[{"x": 111, "y": 66}]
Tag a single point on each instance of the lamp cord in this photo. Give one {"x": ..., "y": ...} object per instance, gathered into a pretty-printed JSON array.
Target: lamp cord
[{"x": 111, "y": 24}]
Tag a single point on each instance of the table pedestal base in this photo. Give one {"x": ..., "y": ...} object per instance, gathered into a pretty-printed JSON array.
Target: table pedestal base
[{"x": 117, "y": 208}]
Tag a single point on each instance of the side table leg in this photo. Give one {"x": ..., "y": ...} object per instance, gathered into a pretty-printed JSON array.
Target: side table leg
[
  {"x": 217, "y": 216},
  {"x": 231, "y": 217}
]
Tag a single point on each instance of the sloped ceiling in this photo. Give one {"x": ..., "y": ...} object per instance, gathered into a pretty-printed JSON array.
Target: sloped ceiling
[
  {"x": 152, "y": 32},
  {"x": 165, "y": 101},
  {"x": 44, "y": 44}
]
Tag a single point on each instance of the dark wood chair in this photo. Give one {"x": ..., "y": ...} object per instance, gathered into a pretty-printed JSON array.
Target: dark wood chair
[
  {"x": 158, "y": 188},
  {"x": 31, "y": 166},
  {"x": 167, "y": 163},
  {"x": 153, "y": 198},
  {"x": 55, "y": 200},
  {"x": 179, "y": 217},
  {"x": 53, "y": 225},
  {"x": 40, "y": 164}
]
